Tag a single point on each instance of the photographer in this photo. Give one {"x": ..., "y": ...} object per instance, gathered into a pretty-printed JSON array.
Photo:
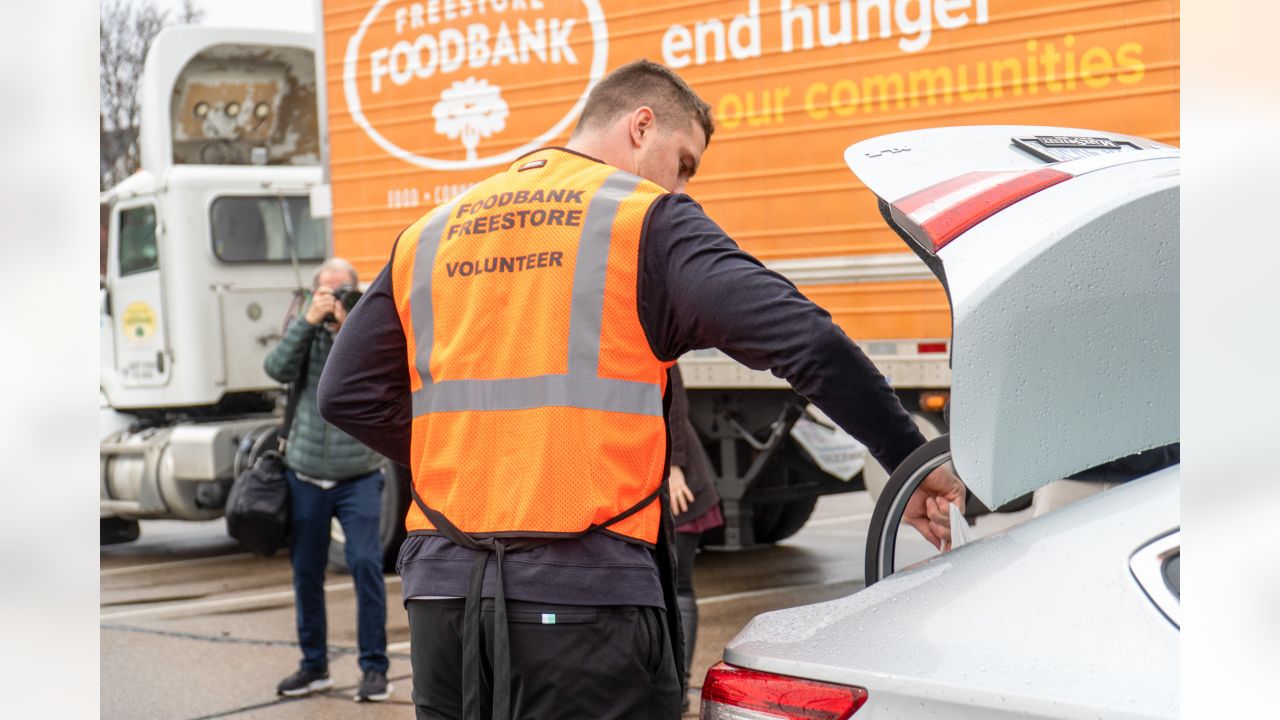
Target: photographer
[{"x": 330, "y": 475}]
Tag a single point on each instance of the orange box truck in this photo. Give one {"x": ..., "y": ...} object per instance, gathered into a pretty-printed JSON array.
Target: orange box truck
[{"x": 423, "y": 98}]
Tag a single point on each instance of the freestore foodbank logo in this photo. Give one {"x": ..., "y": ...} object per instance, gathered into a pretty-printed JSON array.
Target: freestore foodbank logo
[{"x": 498, "y": 77}]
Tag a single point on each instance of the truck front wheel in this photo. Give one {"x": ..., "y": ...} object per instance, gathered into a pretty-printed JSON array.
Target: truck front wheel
[{"x": 391, "y": 532}]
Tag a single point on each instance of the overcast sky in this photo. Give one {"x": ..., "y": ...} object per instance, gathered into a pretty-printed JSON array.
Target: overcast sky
[{"x": 266, "y": 14}]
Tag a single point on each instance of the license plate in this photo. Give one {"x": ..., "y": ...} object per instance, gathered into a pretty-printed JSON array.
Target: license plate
[{"x": 1057, "y": 148}]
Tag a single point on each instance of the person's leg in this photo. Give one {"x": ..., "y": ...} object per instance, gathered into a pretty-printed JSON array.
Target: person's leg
[
  {"x": 435, "y": 649},
  {"x": 686, "y": 550},
  {"x": 571, "y": 662},
  {"x": 358, "y": 504},
  {"x": 310, "y": 513}
]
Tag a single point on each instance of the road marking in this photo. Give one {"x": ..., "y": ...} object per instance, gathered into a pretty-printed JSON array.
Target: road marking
[
  {"x": 249, "y": 600},
  {"x": 173, "y": 563},
  {"x": 397, "y": 647},
  {"x": 837, "y": 520},
  {"x": 337, "y": 692},
  {"x": 730, "y": 597},
  {"x": 228, "y": 640},
  {"x": 716, "y": 599},
  {"x": 209, "y": 604},
  {"x": 222, "y": 603},
  {"x": 841, "y": 531}
]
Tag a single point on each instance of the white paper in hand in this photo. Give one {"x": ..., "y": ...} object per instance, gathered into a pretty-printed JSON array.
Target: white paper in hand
[{"x": 959, "y": 528}]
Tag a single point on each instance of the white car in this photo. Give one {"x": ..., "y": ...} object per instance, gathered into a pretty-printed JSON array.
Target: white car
[{"x": 1058, "y": 248}]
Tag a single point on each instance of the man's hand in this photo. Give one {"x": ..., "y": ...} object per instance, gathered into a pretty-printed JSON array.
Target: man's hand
[
  {"x": 681, "y": 495},
  {"x": 322, "y": 304},
  {"x": 928, "y": 510}
]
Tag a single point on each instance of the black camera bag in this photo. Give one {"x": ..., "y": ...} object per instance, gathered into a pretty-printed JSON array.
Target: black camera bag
[
  {"x": 257, "y": 509},
  {"x": 258, "y": 506}
]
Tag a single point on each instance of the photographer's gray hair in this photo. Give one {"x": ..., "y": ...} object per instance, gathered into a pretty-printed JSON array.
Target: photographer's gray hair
[{"x": 335, "y": 263}]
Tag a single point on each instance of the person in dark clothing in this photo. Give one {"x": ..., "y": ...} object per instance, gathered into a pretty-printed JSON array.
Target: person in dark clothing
[
  {"x": 696, "y": 507},
  {"x": 1104, "y": 476},
  {"x": 330, "y": 475},
  {"x": 695, "y": 289},
  {"x": 1129, "y": 467}
]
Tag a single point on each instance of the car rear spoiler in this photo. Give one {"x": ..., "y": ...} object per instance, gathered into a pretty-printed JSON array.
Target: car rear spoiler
[{"x": 934, "y": 185}]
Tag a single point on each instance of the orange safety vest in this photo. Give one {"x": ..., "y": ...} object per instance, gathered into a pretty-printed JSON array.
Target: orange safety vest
[{"x": 537, "y": 401}]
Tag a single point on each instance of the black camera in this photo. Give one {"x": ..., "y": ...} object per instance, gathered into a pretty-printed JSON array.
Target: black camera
[{"x": 347, "y": 296}]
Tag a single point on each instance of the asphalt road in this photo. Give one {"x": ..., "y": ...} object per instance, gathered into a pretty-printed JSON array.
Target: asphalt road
[{"x": 191, "y": 627}]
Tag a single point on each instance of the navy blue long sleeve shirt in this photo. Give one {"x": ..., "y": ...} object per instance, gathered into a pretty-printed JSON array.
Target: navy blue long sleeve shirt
[{"x": 697, "y": 290}]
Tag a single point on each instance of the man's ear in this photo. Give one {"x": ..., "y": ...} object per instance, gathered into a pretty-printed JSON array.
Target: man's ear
[{"x": 642, "y": 123}]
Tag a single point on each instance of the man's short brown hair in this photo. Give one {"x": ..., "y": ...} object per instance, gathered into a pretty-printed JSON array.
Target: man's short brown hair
[{"x": 644, "y": 83}]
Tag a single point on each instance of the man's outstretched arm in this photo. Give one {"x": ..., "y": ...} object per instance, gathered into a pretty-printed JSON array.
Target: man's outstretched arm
[{"x": 700, "y": 290}]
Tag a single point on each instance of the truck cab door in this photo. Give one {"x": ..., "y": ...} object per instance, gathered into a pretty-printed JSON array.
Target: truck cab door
[
  {"x": 106, "y": 331},
  {"x": 135, "y": 297}
]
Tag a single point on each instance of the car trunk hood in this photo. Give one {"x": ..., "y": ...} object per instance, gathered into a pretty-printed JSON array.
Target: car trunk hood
[{"x": 1064, "y": 303}]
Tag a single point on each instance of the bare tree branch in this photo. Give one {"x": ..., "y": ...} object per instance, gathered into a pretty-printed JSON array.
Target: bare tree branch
[
  {"x": 126, "y": 30},
  {"x": 191, "y": 13}
]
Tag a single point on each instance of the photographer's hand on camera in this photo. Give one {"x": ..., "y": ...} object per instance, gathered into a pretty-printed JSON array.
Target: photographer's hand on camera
[{"x": 324, "y": 306}]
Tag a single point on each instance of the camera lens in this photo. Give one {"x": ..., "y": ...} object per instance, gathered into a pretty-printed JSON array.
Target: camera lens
[{"x": 349, "y": 299}]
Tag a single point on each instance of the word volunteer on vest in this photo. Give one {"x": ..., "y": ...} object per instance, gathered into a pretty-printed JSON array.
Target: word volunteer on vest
[{"x": 467, "y": 268}]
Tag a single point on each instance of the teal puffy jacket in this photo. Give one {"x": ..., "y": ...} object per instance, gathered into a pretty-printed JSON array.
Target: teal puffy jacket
[{"x": 315, "y": 448}]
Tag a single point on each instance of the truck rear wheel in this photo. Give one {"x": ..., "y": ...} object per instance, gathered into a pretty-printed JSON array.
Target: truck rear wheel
[
  {"x": 391, "y": 532},
  {"x": 778, "y": 521},
  {"x": 774, "y": 520},
  {"x": 114, "y": 530}
]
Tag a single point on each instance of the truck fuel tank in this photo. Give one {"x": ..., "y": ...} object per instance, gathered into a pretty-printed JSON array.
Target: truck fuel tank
[{"x": 181, "y": 471}]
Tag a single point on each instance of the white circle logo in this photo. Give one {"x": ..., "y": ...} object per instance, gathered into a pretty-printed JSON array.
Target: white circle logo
[{"x": 437, "y": 84}]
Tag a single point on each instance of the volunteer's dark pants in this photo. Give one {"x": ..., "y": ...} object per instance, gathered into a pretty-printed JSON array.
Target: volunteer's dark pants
[
  {"x": 603, "y": 663},
  {"x": 356, "y": 503}
]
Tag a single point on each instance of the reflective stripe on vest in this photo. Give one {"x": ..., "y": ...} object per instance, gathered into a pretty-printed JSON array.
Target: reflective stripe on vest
[{"x": 580, "y": 387}]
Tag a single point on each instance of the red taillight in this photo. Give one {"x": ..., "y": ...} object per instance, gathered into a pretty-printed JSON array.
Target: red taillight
[
  {"x": 931, "y": 347},
  {"x": 946, "y": 210},
  {"x": 734, "y": 693}
]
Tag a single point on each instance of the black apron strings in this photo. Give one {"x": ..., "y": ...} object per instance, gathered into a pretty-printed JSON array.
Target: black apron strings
[
  {"x": 471, "y": 666},
  {"x": 471, "y": 642},
  {"x": 501, "y": 645}
]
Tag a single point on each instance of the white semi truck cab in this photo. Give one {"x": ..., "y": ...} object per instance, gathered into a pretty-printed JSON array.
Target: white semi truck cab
[{"x": 206, "y": 246}]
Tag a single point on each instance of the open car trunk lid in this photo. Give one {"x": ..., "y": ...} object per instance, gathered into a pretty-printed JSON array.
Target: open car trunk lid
[{"x": 1058, "y": 248}]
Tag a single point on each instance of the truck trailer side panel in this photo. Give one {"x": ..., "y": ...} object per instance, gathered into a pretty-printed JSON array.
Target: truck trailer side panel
[{"x": 426, "y": 98}]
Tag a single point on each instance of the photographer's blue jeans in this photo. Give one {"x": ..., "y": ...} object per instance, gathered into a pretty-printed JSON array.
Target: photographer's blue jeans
[{"x": 356, "y": 503}]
